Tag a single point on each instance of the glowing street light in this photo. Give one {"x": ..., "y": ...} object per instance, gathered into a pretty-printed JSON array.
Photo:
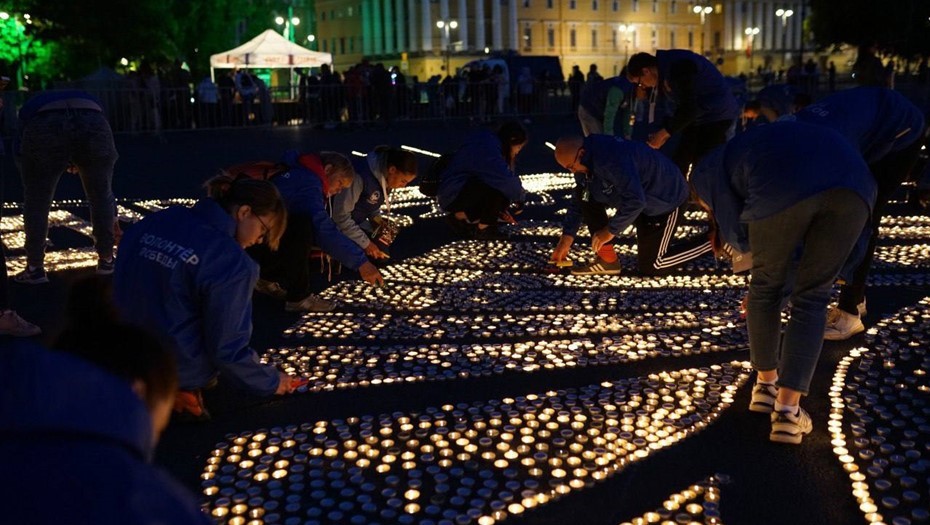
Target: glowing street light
[
  {"x": 751, "y": 33},
  {"x": 446, "y": 27},
  {"x": 784, "y": 14},
  {"x": 627, "y": 31},
  {"x": 289, "y": 23},
  {"x": 702, "y": 10}
]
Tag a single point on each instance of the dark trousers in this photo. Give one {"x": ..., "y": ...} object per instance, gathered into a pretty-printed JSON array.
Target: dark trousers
[
  {"x": 653, "y": 239},
  {"x": 4, "y": 281},
  {"x": 290, "y": 265},
  {"x": 479, "y": 202},
  {"x": 697, "y": 140},
  {"x": 889, "y": 173}
]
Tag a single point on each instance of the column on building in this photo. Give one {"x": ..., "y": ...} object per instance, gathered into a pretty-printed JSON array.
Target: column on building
[
  {"x": 427, "y": 25},
  {"x": 412, "y": 43},
  {"x": 480, "y": 40},
  {"x": 400, "y": 18},
  {"x": 765, "y": 29},
  {"x": 513, "y": 27},
  {"x": 735, "y": 26},
  {"x": 794, "y": 40},
  {"x": 462, "y": 17},
  {"x": 366, "y": 27},
  {"x": 497, "y": 40},
  {"x": 377, "y": 28},
  {"x": 390, "y": 45}
]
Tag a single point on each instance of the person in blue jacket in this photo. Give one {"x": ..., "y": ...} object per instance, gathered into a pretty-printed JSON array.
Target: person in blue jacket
[
  {"x": 308, "y": 185},
  {"x": 885, "y": 127},
  {"x": 645, "y": 188},
  {"x": 774, "y": 101},
  {"x": 58, "y": 131},
  {"x": 79, "y": 425},
  {"x": 705, "y": 108},
  {"x": 798, "y": 197},
  {"x": 357, "y": 210},
  {"x": 479, "y": 182},
  {"x": 606, "y": 107},
  {"x": 183, "y": 273}
]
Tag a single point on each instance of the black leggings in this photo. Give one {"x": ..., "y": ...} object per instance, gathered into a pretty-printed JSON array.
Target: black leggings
[
  {"x": 290, "y": 265},
  {"x": 479, "y": 202}
]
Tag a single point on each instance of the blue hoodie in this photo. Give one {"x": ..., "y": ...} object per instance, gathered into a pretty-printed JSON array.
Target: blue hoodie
[
  {"x": 696, "y": 87},
  {"x": 876, "y": 120},
  {"x": 181, "y": 273},
  {"x": 76, "y": 443},
  {"x": 479, "y": 156},
  {"x": 629, "y": 176},
  {"x": 773, "y": 167},
  {"x": 303, "y": 193}
]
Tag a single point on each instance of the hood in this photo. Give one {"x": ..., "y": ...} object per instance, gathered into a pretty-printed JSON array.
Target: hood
[
  {"x": 53, "y": 393},
  {"x": 310, "y": 162}
]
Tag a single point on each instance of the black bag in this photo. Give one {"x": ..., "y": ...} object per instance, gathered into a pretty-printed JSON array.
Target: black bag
[{"x": 429, "y": 181}]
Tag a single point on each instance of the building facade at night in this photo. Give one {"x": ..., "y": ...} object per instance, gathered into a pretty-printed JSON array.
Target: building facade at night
[{"x": 582, "y": 32}]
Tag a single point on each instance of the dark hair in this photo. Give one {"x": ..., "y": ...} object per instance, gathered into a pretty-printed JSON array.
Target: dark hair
[
  {"x": 339, "y": 162},
  {"x": 94, "y": 333},
  {"x": 510, "y": 133},
  {"x": 639, "y": 62},
  {"x": 401, "y": 159},
  {"x": 260, "y": 195}
]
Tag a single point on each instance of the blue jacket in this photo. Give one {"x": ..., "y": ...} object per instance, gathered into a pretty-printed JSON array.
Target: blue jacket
[
  {"x": 76, "y": 443},
  {"x": 626, "y": 175},
  {"x": 302, "y": 190},
  {"x": 697, "y": 88},
  {"x": 610, "y": 101},
  {"x": 354, "y": 207},
  {"x": 181, "y": 273},
  {"x": 876, "y": 120},
  {"x": 770, "y": 168},
  {"x": 479, "y": 156},
  {"x": 779, "y": 97}
]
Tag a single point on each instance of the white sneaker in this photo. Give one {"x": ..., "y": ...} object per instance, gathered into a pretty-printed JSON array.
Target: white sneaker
[
  {"x": 842, "y": 325},
  {"x": 12, "y": 324},
  {"x": 790, "y": 428},
  {"x": 310, "y": 303},
  {"x": 763, "y": 398}
]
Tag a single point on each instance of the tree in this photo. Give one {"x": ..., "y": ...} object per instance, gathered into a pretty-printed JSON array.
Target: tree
[{"x": 895, "y": 26}]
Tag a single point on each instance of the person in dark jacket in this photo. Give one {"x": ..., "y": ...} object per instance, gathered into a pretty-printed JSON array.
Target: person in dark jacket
[
  {"x": 78, "y": 427},
  {"x": 183, "y": 273},
  {"x": 308, "y": 185},
  {"x": 773, "y": 102},
  {"x": 607, "y": 107},
  {"x": 357, "y": 210},
  {"x": 886, "y": 128},
  {"x": 705, "y": 106},
  {"x": 479, "y": 182},
  {"x": 647, "y": 191},
  {"x": 798, "y": 197},
  {"x": 62, "y": 130}
]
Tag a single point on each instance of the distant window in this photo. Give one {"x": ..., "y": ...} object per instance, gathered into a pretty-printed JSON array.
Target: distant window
[
  {"x": 550, "y": 37},
  {"x": 655, "y": 39},
  {"x": 613, "y": 38},
  {"x": 526, "y": 3},
  {"x": 323, "y": 16},
  {"x": 342, "y": 45},
  {"x": 350, "y": 10},
  {"x": 716, "y": 39},
  {"x": 671, "y": 40},
  {"x": 594, "y": 38},
  {"x": 616, "y": 5},
  {"x": 673, "y": 7},
  {"x": 594, "y": 5},
  {"x": 635, "y": 6},
  {"x": 655, "y": 6},
  {"x": 352, "y": 44},
  {"x": 325, "y": 47},
  {"x": 573, "y": 39},
  {"x": 690, "y": 39},
  {"x": 572, "y": 4},
  {"x": 549, "y": 4},
  {"x": 527, "y": 37}
]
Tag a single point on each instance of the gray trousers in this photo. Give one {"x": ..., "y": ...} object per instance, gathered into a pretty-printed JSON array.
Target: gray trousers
[{"x": 51, "y": 140}]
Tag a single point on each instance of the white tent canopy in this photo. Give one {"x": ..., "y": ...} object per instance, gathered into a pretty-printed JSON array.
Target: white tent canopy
[{"x": 269, "y": 50}]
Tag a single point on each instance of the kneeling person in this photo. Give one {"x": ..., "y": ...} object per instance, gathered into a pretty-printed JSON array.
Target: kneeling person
[{"x": 646, "y": 189}]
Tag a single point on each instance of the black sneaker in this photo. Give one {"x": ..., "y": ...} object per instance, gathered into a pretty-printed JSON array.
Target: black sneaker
[
  {"x": 105, "y": 267},
  {"x": 31, "y": 276},
  {"x": 598, "y": 267}
]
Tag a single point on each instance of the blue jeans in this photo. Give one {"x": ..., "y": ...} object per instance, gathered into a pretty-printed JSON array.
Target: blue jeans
[
  {"x": 825, "y": 227},
  {"x": 51, "y": 140}
]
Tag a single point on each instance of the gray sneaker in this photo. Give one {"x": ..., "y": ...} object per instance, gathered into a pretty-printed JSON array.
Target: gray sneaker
[
  {"x": 310, "y": 303},
  {"x": 790, "y": 428},
  {"x": 763, "y": 398},
  {"x": 598, "y": 267},
  {"x": 842, "y": 325},
  {"x": 271, "y": 288}
]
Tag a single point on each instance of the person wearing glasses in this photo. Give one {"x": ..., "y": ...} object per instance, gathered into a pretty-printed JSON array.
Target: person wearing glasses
[
  {"x": 183, "y": 274},
  {"x": 645, "y": 188},
  {"x": 705, "y": 108}
]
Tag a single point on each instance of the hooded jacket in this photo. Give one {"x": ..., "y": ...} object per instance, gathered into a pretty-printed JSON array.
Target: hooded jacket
[
  {"x": 181, "y": 273},
  {"x": 611, "y": 102},
  {"x": 773, "y": 167},
  {"x": 697, "y": 88},
  {"x": 355, "y": 207},
  {"x": 304, "y": 188},
  {"x": 76, "y": 443},
  {"x": 479, "y": 156},
  {"x": 626, "y": 175},
  {"x": 875, "y": 120}
]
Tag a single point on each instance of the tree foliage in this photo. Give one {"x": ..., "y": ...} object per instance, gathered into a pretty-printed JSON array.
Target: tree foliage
[{"x": 895, "y": 26}]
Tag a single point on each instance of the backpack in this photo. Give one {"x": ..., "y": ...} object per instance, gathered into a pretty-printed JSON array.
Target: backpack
[
  {"x": 259, "y": 170},
  {"x": 429, "y": 181}
]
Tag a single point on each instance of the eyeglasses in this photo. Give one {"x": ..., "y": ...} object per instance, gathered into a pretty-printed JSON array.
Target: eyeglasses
[
  {"x": 265, "y": 229},
  {"x": 571, "y": 167}
]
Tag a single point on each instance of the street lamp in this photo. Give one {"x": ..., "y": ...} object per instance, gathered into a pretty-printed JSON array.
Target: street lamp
[
  {"x": 626, "y": 30},
  {"x": 289, "y": 24},
  {"x": 751, "y": 33},
  {"x": 446, "y": 27},
  {"x": 784, "y": 14},
  {"x": 702, "y": 10}
]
